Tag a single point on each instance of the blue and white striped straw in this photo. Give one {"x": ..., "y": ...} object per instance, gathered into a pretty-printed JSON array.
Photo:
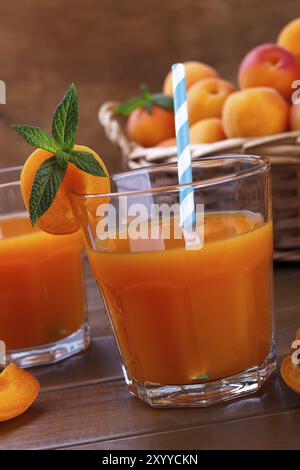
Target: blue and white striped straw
[{"x": 187, "y": 205}]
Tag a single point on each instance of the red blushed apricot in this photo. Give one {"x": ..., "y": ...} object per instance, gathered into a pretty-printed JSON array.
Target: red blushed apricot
[
  {"x": 194, "y": 71},
  {"x": 255, "y": 112},
  {"x": 18, "y": 390},
  {"x": 272, "y": 66},
  {"x": 148, "y": 128}
]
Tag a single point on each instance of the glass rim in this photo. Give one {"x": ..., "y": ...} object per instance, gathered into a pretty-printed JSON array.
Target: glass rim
[
  {"x": 260, "y": 164},
  {"x": 13, "y": 182}
]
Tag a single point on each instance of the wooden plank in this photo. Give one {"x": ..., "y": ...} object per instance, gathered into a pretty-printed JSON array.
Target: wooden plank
[
  {"x": 278, "y": 431},
  {"x": 105, "y": 411},
  {"x": 286, "y": 290},
  {"x": 94, "y": 298},
  {"x": 99, "y": 322},
  {"x": 285, "y": 270}
]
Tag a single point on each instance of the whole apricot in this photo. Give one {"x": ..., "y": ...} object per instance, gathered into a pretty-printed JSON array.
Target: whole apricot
[
  {"x": 194, "y": 71},
  {"x": 206, "y": 98},
  {"x": 271, "y": 66},
  {"x": 207, "y": 131},
  {"x": 148, "y": 128},
  {"x": 255, "y": 112},
  {"x": 289, "y": 37},
  {"x": 167, "y": 143},
  {"x": 295, "y": 117}
]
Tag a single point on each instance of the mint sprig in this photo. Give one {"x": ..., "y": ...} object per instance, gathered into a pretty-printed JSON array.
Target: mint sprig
[
  {"x": 146, "y": 100},
  {"x": 51, "y": 173}
]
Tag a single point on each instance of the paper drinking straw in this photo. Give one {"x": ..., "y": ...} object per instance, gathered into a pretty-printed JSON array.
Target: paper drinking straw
[{"x": 184, "y": 164}]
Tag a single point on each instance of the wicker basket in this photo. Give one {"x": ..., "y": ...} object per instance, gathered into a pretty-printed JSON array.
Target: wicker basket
[{"x": 283, "y": 150}]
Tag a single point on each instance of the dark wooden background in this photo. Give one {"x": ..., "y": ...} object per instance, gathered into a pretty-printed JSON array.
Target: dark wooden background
[{"x": 109, "y": 47}]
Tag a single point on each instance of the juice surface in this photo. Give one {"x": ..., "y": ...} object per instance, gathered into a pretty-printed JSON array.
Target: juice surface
[
  {"x": 185, "y": 315},
  {"x": 42, "y": 295}
]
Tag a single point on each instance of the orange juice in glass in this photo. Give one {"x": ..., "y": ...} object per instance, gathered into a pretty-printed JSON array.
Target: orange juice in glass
[
  {"x": 193, "y": 321},
  {"x": 42, "y": 292}
]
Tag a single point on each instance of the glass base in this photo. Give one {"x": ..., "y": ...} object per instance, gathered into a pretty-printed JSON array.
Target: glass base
[
  {"x": 51, "y": 352},
  {"x": 203, "y": 394}
]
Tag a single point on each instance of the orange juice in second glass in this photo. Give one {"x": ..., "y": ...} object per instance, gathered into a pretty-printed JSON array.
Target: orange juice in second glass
[
  {"x": 42, "y": 292},
  {"x": 182, "y": 315},
  {"x": 193, "y": 323}
]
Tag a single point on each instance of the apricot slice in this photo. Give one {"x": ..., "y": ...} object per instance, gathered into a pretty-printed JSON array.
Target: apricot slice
[
  {"x": 59, "y": 218},
  {"x": 18, "y": 390},
  {"x": 290, "y": 374}
]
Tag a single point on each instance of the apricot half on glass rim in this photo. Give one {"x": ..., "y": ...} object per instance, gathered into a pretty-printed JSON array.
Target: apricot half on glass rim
[
  {"x": 60, "y": 218},
  {"x": 18, "y": 390}
]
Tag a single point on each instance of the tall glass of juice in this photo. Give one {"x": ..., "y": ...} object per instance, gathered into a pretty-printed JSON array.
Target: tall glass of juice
[
  {"x": 190, "y": 307},
  {"x": 42, "y": 289}
]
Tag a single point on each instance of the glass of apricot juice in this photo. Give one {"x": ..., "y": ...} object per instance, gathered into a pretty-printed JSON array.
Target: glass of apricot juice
[
  {"x": 192, "y": 315},
  {"x": 42, "y": 291}
]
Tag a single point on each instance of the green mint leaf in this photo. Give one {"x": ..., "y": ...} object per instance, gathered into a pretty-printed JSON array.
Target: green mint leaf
[
  {"x": 62, "y": 158},
  {"x": 86, "y": 162},
  {"x": 44, "y": 188},
  {"x": 163, "y": 101},
  {"x": 125, "y": 108},
  {"x": 145, "y": 92},
  {"x": 36, "y": 137},
  {"x": 65, "y": 119},
  {"x": 146, "y": 100},
  {"x": 148, "y": 106}
]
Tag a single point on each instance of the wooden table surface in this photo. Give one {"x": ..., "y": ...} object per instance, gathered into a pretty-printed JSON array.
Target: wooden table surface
[{"x": 84, "y": 403}]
